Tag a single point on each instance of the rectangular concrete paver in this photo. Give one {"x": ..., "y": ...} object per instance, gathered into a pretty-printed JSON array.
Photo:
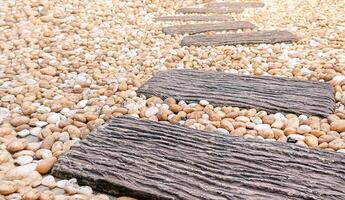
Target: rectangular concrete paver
[
  {"x": 249, "y": 4},
  {"x": 206, "y": 10},
  {"x": 199, "y": 28},
  {"x": 151, "y": 160},
  {"x": 195, "y": 18},
  {"x": 273, "y": 94},
  {"x": 261, "y": 37}
]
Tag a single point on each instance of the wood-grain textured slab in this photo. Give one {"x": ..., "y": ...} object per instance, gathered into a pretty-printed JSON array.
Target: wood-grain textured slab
[
  {"x": 266, "y": 37},
  {"x": 195, "y": 18},
  {"x": 236, "y": 4},
  {"x": 151, "y": 160},
  {"x": 199, "y": 28},
  {"x": 215, "y": 10},
  {"x": 267, "y": 93}
]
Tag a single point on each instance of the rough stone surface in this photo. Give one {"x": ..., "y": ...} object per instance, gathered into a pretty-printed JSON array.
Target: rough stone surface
[
  {"x": 260, "y": 37},
  {"x": 149, "y": 155},
  {"x": 221, "y": 89}
]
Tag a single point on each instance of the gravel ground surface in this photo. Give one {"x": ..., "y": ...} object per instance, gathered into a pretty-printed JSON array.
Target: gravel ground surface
[{"x": 67, "y": 66}]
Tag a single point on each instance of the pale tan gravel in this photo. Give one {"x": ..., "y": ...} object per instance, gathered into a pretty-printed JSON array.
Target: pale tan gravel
[{"x": 67, "y": 66}]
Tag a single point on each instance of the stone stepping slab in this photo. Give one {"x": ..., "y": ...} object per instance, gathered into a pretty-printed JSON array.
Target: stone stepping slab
[
  {"x": 199, "y": 28},
  {"x": 266, "y": 37},
  {"x": 272, "y": 94},
  {"x": 152, "y": 160},
  {"x": 195, "y": 18},
  {"x": 214, "y": 10},
  {"x": 248, "y": 4}
]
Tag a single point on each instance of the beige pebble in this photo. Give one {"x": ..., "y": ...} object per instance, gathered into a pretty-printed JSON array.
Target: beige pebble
[
  {"x": 45, "y": 165},
  {"x": 338, "y": 125},
  {"x": 240, "y": 131},
  {"x": 17, "y": 121},
  {"x": 48, "y": 142},
  {"x": 5, "y": 131},
  {"x": 337, "y": 144},
  {"x": 32, "y": 194},
  {"x": 311, "y": 140},
  {"x": 325, "y": 138},
  {"x": 7, "y": 187},
  {"x": 17, "y": 145},
  {"x": 73, "y": 131}
]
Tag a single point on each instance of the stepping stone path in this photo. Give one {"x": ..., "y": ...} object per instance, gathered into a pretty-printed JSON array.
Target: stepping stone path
[
  {"x": 151, "y": 160},
  {"x": 195, "y": 18},
  {"x": 268, "y": 93},
  {"x": 210, "y": 10},
  {"x": 270, "y": 37},
  {"x": 236, "y": 4},
  {"x": 199, "y": 28},
  {"x": 267, "y": 37}
]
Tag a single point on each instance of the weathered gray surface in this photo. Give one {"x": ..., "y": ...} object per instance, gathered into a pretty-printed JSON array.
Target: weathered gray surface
[
  {"x": 215, "y": 10},
  {"x": 249, "y": 4},
  {"x": 199, "y": 28},
  {"x": 151, "y": 160},
  {"x": 195, "y": 18},
  {"x": 267, "y": 37},
  {"x": 261, "y": 92}
]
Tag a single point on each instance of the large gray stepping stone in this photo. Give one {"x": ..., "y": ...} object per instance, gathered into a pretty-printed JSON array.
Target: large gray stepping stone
[
  {"x": 195, "y": 18},
  {"x": 151, "y": 160},
  {"x": 248, "y": 4},
  {"x": 272, "y": 94},
  {"x": 265, "y": 37},
  {"x": 205, "y": 10},
  {"x": 199, "y": 28}
]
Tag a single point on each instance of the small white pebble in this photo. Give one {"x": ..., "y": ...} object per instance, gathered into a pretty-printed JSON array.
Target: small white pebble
[
  {"x": 204, "y": 102},
  {"x": 23, "y": 133}
]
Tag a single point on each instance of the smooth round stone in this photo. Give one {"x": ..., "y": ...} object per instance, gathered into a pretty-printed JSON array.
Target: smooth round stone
[
  {"x": 35, "y": 131},
  {"x": 82, "y": 103},
  {"x": 8, "y": 98},
  {"x": 303, "y": 117},
  {"x": 204, "y": 102},
  {"x": 151, "y": 111},
  {"x": 53, "y": 118},
  {"x": 47, "y": 180},
  {"x": 222, "y": 130},
  {"x": 256, "y": 120},
  {"x": 23, "y": 160},
  {"x": 296, "y": 137},
  {"x": 279, "y": 117},
  {"x": 41, "y": 124},
  {"x": 304, "y": 129},
  {"x": 262, "y": 127},
  {"x": 61, "y": 184},
  {"x": 23, "y": 133},
  {"x": 85, "y": 190},
  {"x": 21, "y": 172},
  {"x": 43, "y": 109}
]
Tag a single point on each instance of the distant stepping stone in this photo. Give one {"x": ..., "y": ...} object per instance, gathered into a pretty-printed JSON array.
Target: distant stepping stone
[
  {"x": 210, "y": 10},
  {"x": 151, "y": 160},
  {"x": 199, "y": 28},
  {"x": 195, "y": 18},
  {"x": 265, "y": 37},
  {"x": 248, "y": 4},
  {"x": 272, "y": 94}
]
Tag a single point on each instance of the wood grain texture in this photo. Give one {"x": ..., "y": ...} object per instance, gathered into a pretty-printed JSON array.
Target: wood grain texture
[
  {"x": 249, "y": 4},
  {"x": 214, "y": 10},
  {"x": 265, "y": 37},
  {"x": 195, "y": 18},
  {"x": 267, "y": 93},
  {"x": 151, "y": 160},
  {"x": 199, "y": 28}
]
